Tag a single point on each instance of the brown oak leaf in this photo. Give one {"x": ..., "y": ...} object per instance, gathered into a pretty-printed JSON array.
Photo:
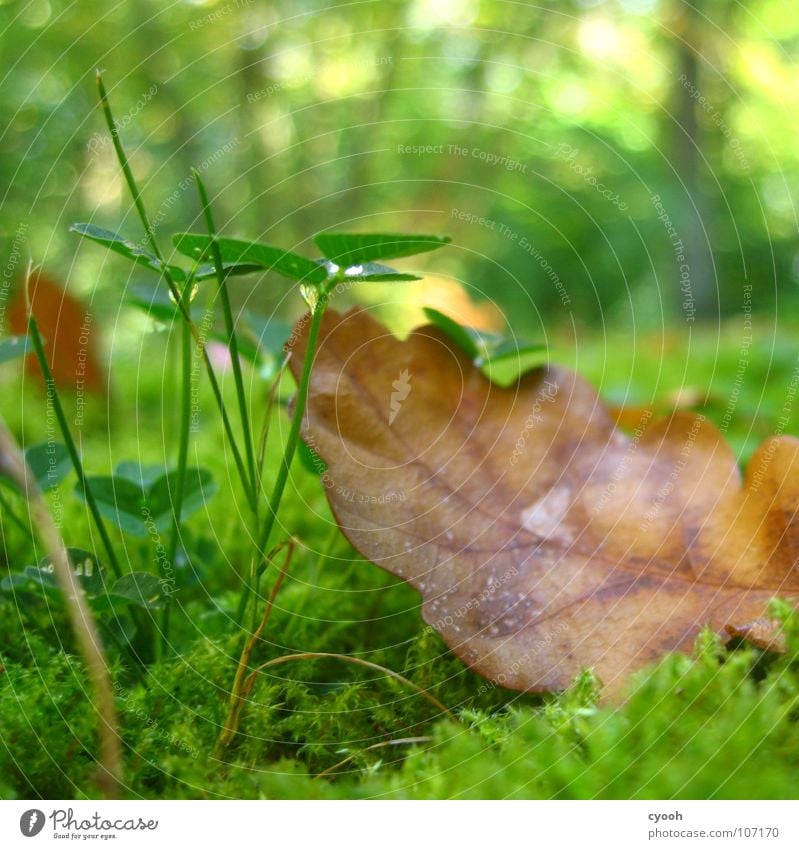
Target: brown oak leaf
[{"x": 541, "y": 538}]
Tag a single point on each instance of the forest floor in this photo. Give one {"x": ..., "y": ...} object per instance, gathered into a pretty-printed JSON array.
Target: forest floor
[{"x": 718, "y": 724}]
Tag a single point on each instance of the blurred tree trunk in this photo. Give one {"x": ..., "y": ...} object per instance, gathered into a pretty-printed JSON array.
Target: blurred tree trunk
[{"x": 693, "y": 208}]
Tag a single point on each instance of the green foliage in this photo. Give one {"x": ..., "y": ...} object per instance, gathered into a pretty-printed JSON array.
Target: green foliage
[
  {"x": 49, "y": 728},
  {"x": 139, "y": 588},
  {"x": 119, "y": 245},
  {"x": 503, "y": 359},
  {"x": 247, "y": 257},
  {"x": 41, "y": 579},
  {"x": 374, "y": 272},
  {"x": 353, "y": 249},
  {"x": 139, "y": 256}
]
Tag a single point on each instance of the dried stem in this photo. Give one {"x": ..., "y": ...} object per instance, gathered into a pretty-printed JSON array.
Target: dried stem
[
  {"x": 319, "y": 655},
  {"x": 12, "y": 462},
  {"x": 237, "y": 695}
]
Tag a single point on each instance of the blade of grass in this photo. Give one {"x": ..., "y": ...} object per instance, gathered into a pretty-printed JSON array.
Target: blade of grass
[
  {"x": 74, "y": 455},
  {"x": 77, "y": 464},
  {"x": 230, "y": 332},
  {"x": 259, "y": 467},
  {"x": 149, "y": 231},
  {"x": 66, "y": 435},
  {"x": 176, "y": 295}
]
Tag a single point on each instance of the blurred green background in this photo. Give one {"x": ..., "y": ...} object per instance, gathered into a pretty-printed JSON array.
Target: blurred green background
[{"x": 628, "y": 161}]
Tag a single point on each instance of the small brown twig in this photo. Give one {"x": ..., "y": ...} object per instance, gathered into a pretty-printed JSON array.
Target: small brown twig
[{"x": 317, "y": 655}]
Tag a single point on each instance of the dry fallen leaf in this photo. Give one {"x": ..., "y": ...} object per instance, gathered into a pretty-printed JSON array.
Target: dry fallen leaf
[{"x": 541, "y": 538}]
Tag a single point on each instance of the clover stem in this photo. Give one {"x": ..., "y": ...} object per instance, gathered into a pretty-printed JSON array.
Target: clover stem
[{"x": 317, "y": 313}]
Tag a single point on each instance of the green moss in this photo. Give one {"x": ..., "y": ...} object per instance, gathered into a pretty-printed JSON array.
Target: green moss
[{"x": 713, "y": 726}]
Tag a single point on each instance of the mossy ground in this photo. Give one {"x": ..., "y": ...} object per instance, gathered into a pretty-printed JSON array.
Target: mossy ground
[{"x": 721, "y": 724}]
